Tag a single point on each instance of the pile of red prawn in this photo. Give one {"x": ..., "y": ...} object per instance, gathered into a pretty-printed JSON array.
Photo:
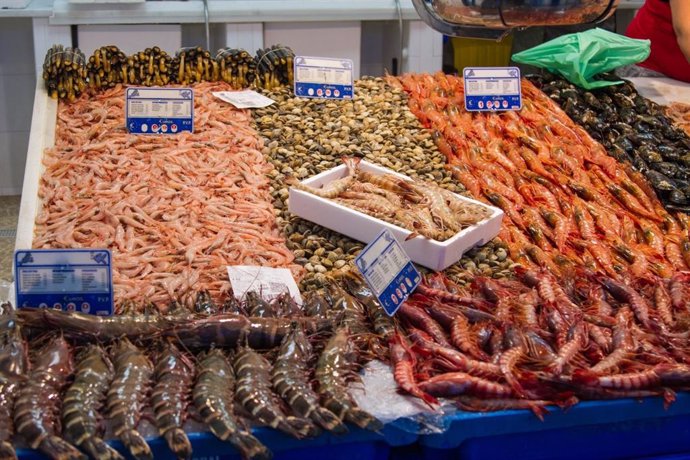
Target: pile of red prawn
[
  {"x": 567, "y": 203},
  {"x": 601, "y": 308},
  {"x": 533, "y": 342},
  {"x": 174, "y": 210}
]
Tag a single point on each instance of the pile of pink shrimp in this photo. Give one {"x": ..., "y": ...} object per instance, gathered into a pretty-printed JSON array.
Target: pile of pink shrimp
[{"x": 175, "y": 210}]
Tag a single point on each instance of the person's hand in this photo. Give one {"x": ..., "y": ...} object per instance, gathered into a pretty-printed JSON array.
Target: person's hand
[{"x": 680, "y": 14}]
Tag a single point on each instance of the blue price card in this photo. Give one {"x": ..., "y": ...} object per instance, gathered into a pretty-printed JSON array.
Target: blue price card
[
  {"x": 492, "y": 88},
  {"x": 65, "y": 279},
  {"x": 159, "y": 110},
  {"x": 325, "y": 78},
  {"x": 388, "y": 270}
]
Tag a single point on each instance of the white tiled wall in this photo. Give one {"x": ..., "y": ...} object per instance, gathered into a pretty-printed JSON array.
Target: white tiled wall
[
  {"x": 422, "y": 47},
  {"x": 322, "y": 39},
  {"x": 17, "y": 84},
  {"x": 130, "y": 38}
]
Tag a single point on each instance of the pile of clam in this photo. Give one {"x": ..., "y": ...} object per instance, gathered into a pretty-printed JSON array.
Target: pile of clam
[{"x": 304, "y": 137}]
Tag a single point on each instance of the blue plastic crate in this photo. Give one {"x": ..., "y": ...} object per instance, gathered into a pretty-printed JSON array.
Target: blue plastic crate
[
  {"x": 591, "y": 430},
  {"x": 357, "y": 444}
]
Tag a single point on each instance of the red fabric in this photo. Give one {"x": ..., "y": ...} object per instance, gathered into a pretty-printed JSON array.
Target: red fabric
[{"x": 653, "y": 22}]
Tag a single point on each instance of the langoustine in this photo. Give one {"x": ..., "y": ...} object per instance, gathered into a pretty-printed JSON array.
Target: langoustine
[
  {"x": 333, "y": 370},
  {"x": 290, "y": 377},
  {"x": 213, "y": 396},
  {"x": 84, "y": 401},
  {"x": 13, "y": 368},
  {"x": 38, "y": 404},
  {"x": 255, "y": 395},
  {"x": 128, "y": 395},
  {"x": 171, "y": 397}
]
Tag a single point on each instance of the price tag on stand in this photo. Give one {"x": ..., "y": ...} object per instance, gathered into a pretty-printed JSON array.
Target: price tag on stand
[
  {"x": 492, "y": 88},
  {"x": 325, "y": 78},
  {"x": 267, "y": 281},
  {"x": 388, "y": 271},
  {"x": 159, "y": 110},
  {"x": 65, "y": 279}
]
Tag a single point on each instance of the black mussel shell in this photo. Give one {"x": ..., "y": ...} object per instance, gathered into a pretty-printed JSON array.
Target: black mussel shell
[
  {"x": 570, "y": 93},
  {"x": 623, "y": 101},
  {"x": 605, "y": 99},
  {"x": 668, "y": 152},
  {"x": 654, "y": 122},
  {"x": 610, "y": 137},
  {"x": 627, "y": 116},
  {"x": 667, "y": 169},
  {"x": 623, "y": 128},
  {"x": 589, "y": 117},
  {"x": 650, "y": 155},
  {"x": 642, "y": 127},
  {"x": 639, "y": 164},
  {"x": 659, "y": 181},
  {"x": 685, "y": 159},
  {"x": 551, "y": 89},
  {"x": 678, "y": 197},
  {"x": 563, "y": 84},
  {"x": 642, "y": 138},
  {"x": 672, "y": 133},
  {"x": 609, "y": 115},
  {"x": 641, "y": 104},
  {"x": 624, "y": 143},
  {"x": 619, "y": 154},
  {"x": 592, "y": 100},
  {"x": 537, "y": 80}
]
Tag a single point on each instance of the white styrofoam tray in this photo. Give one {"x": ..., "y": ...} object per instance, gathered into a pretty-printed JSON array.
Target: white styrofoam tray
[{"x": 436, "y": 255}]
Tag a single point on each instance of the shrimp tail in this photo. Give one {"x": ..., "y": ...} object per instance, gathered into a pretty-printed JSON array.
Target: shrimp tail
[
  {"x": 429, "y": 400},
  {"x": 7, "y": 451},
  {"x": 60, "y": 449},
  {"x": 584, "y": 377},
  {"x": 136, "y": 445},
  {"x": 97, "y": 448},
  {"x": 179, "y": 443},
  {"x": 412, "y": 235},
  {"x": 328, "y": 420},
  {"x": 363, "y": 419},
  {"x": 301, "y": 427},
  {"x": 539, "y": 411},
  {"x": 250, "y": 447}
]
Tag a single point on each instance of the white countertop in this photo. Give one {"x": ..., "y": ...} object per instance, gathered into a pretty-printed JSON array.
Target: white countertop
[
  {"x": 233, "y": 11},
  {"x": 35, "y": 9},
  {"x": 662, "y": 90},
  {"x": 62, "y": 12}
]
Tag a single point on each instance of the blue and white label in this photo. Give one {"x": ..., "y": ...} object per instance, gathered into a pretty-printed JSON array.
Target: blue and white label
[
  {"x": 325, "y": 78},
  {"x": 65, "y": 279},
  {"x": 388, "y": 270},
  {"x": 159, "y": 110},
  {"x": 492, "y": 88}
]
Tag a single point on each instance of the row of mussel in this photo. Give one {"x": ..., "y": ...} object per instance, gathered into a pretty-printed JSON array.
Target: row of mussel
[
  {"x": 291, "y": 374},
  {"x": 634, "y": 130}
]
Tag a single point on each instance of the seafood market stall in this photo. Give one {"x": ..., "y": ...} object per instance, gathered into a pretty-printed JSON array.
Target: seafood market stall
[{"x": 563, "y": 314}]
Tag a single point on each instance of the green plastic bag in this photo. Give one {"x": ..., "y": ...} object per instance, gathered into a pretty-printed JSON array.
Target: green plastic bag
[{"x": 579, "y": 57}]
